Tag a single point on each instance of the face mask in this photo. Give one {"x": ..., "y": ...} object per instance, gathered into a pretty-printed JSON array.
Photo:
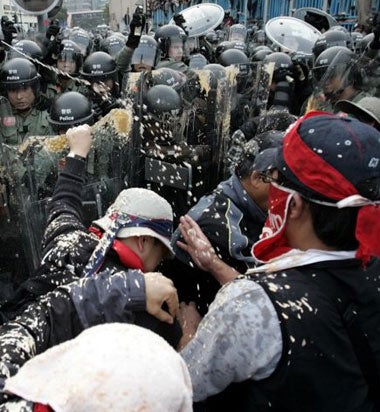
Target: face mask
[{"x": 273, "y": 241}]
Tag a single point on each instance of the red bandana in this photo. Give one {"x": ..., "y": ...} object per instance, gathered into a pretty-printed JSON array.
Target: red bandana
[
  {"x": 273, "y": 242},
  {"x": 127, "y": 257}
]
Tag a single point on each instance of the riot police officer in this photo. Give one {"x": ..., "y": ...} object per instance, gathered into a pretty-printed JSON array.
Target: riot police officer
[
  {"x": 172, "y": 42},
  {"x": 21, "y": 82},
  {"x": 69, "y": 62},
  {"x": 100, "y": 70}
]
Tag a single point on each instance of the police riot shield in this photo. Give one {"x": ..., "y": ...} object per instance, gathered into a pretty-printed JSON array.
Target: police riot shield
[
  {"x": 346, "y": 71},
  {"x": 201, "y": 18},
  {"x": 13, "y": 269},
  {"x": 290, "y": 34},
  {"x": 317, "y": 18},
  {"x": 179, "y": 156},
  {"x": 41, "y": 158},
  {"x": 253, "y": 87}
]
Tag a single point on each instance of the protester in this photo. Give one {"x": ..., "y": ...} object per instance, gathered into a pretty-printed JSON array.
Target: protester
[
  {"x": 300, "y": 332},
  {"x": 232, "y": 218},
  {"x": 134, "y": 237}
]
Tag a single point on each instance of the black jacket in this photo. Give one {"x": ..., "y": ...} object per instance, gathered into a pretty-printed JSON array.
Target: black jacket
[
  {"x": 56, "y": 304},
  {"x": 330, "y": 320}
]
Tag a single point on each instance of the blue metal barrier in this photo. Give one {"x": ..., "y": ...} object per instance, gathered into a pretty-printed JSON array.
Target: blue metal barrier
[
  {"x": 343, "y": 7},
  {"x": 318, "y": 4},
  {"x": 278, "y": 8}
]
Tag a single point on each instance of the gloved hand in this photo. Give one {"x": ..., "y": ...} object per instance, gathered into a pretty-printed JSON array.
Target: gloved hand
[
  {"x": 55, "y": 46},
  {"x": 138, "y": 21},
  {"x": 8, "y": 29},
  {"x": 180, "y": 21},
  {"x": 53, "y": 29},
  {"x": 301, "y": 70},
  {"x": 375, "y": 44}
]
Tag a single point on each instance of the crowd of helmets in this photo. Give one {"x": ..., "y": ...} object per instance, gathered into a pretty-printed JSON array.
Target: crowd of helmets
[{"x": 83, "y": 59}]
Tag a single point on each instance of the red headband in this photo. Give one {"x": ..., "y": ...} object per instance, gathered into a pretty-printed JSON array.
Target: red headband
[{"x": 304, "y": 163}]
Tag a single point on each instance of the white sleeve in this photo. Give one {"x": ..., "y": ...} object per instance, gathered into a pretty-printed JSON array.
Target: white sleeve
[{"x": 238, "y": 339}]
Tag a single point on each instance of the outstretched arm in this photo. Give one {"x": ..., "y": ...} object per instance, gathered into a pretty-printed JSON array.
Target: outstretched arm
[{"x": 203, "y": 254}]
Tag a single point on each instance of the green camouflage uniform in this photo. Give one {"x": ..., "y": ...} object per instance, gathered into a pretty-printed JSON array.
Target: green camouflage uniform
[{"x": 34, "y": 124}]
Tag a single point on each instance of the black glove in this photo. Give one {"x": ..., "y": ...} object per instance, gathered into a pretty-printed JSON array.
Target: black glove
[
  {"x": 53, "y": 29},
  {"x": 180, "y": 21},
  {"x": 55, "y": 47},
  {"x": 138, "y": 20},
  {"x": 375, "y": 44},
  {"x": 8, "y": 29},
  {"x": 301, "y": 70}
]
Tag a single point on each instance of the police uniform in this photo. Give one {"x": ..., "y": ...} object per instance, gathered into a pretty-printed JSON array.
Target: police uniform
[{"x": 34, "y": 124}]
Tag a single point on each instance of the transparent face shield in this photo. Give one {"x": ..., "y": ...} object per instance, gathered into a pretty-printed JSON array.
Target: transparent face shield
[
  {"x": 67, "y": 62},
  {"x": 144, "y": 54},
  {"x": 238, "y": 34}
]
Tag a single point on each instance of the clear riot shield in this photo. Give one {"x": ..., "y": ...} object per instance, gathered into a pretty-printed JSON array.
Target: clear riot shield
[
  {"x": 317, "y": 18},
  {"x": 289, "y": 34},
  {"x": 180, "y": 158},
  {"x": 253, "y": 83},
  {"x": 42, "y": 158},
  {"x": 13, "y": 268},
  {"x": 201, "y": 18},
  {"x": 349, "y": 81}
]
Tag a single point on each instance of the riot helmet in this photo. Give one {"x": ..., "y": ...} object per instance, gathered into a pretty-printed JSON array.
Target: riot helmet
[
  {"x": 336, "y": 73},
  {"x": 356, "y": 42},
  {"x": 172, "y": 42},
  {"x": 259, "y": 55},
  {"x": 162, "y": 99},
  {"x": 328, "y": 39},
  {"x": 169, "y": 77},
  {"x": 146, "y": 54},
  {"x": 260, "y": 37},
  {"x": 334, "y": 59},
  {"x": 221, "y": 47},
  {"x": 238, "y": 45},
  {"x": 367, "y": 40},
  {"x": 27, "y": 47},
  {"x": 197, "y": 61},
  {"x": 164, "y": 107},
  {"x": 237, "y": 32},
  {"x": 112, "y": 45},
  {"x": 232, "y": 57},
  {"x": 83, "y": 40},
  {"x": 217, "y": 71},
  {"x": 283, "y": 65},
  {"x": 99, "y": 67},
  {"x": 20, "y": 73},
  {"x": 70, "y": 53},
  {"x": 212, "y": 37},
  {"x": 68, "y": 110}
]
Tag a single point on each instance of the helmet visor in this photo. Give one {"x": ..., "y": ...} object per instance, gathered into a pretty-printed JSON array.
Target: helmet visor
[{"x": 145, "y": 54}]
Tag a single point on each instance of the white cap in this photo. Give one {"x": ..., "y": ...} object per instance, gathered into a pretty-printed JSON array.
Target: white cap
[{"x": 150, "y": 214}]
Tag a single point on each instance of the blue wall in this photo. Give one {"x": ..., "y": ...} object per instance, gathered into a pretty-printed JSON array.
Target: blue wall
[{"x": 337, "y": 8}]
